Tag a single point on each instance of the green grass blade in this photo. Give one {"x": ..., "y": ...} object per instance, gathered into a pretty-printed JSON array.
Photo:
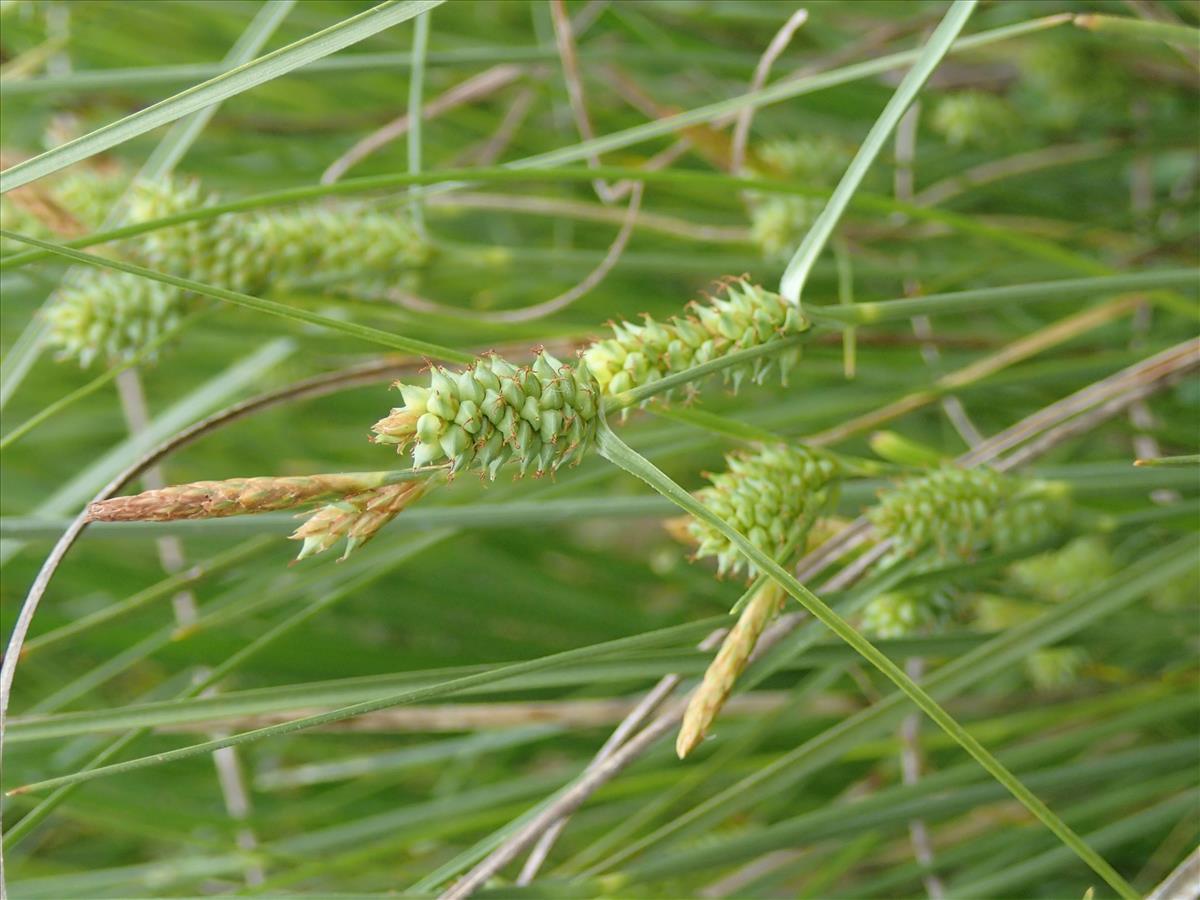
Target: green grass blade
[
  {"x": 323, "y": 600},
  {"x": 185, "y": 131},
  {"x": 986, "y": 298},
  {"x": 449, "y": 688},
  {"x": 1159, "y": 461},
  {"x": 1140, "y": 29},
  {"x": 963, "y": 672},
  {"x": 796, "y": 275},
  {"x": 229, "y": 84},
  {"x": 416, "y": 91}
]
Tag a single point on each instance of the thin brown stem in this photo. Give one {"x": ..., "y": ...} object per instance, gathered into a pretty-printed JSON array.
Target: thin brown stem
[
  {"x": 490, "y": 150},
  {"x": 592, "y": 212},
  {"x": 474, "y": 88},
  {"x": 554, "y": 304},
  {"x": 1011, "y": 166},
  {"x": 1052, "y": 335},
  {"x": 778, "y": 43},
  {"x": 564, "y": 39}
]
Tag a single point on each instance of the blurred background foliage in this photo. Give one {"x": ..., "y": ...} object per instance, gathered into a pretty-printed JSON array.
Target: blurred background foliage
[{"x": 1103, "y": 132}]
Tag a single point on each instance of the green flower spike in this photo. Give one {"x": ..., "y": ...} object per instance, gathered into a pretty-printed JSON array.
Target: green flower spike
[
  {"x": 745, "y": 316},
  {"x": 962, "y": 511},
  {"x": 974, "y": 119},
  {"x": 113, "y": 315},
  {"x": 898, "y": 613},
  {"x": 275, "y": 248},
  {"x": 541, "y": 416},
  {"x": 772, "y": 496},
  {"x": 779, "y": 221},
  {"x": 75, "y": 203}
]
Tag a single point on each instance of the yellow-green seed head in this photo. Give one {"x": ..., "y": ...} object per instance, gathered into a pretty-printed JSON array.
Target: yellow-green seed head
[
  {"x": 817, "y": 161},
  {"x": 742, "y": 317},
  {"x": 1055, "y": 668},
  {"x": 779, "y": 221},
  {"x": 772, "y": 496},
  {"x": 540, "y": 416},
  {"x": 67, "y": 206},
  {"x": 1061, "y": 574},
  {"x": 959, "y": 512},
  {"x": 974, "y": 119},
  {"x": 111, "y": 316},
  {"x": 898, "y": 613}
]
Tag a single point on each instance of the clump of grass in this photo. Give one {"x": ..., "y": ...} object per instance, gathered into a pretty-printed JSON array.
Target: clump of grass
[{"x": 1072, "y": 664}]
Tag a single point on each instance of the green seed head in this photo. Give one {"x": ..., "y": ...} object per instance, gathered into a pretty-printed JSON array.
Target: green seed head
[
  {"x": 779, "y": 221},
  {"x": 111, "y": 316},
  {"x": 1059, "y": 575},
  {"x": 742, "y": 317},
  {"x": 1055, "y": 668},
  {"x": 66, "y": 206},
  {"x": 269, "y": 249},
  {"x": 896, "y": 614},
  {"x": 817, "y": 161},
  {"x": 540, "y": 416},
  {"x": 959, "y": 512},
  {"x": 974, "y": 119},
  {"x": 772, "y": 496}
]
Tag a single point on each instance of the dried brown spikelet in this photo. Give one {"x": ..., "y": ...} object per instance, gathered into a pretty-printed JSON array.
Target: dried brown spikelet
[
  {"x": 357, "y": 517},
  {"x": 232, "y": 497}
]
